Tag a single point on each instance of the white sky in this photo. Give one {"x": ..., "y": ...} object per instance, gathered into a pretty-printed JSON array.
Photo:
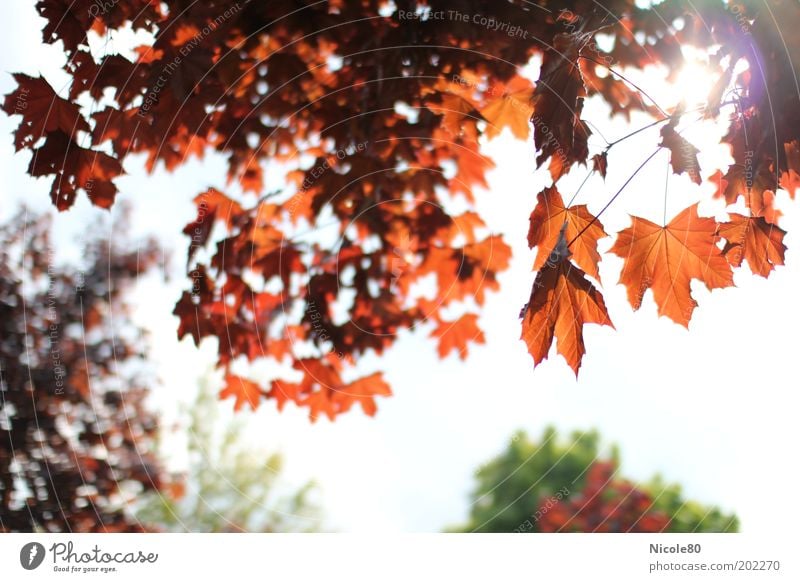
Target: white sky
[{"x": 714, "y": 408}]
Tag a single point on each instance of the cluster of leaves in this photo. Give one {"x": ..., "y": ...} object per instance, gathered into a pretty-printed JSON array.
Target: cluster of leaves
[
  {"x": 570, "y": 486},
  {"x": 227, "y": 487},
  {"x": 665, "y": 258},
  {"x": 376, "y": 119},
  {"x": 76, "y": 440}
]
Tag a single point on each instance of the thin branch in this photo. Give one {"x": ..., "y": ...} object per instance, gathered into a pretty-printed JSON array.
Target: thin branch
[
  {"x": 624, "y": 78},
  {"x": 586, "y": 179},
  {"x": 614, "y": 197},
  {"x": 662, "y": 120},
  {"x": 641, "y": 129},
  {"x": 642, "y": 165}
]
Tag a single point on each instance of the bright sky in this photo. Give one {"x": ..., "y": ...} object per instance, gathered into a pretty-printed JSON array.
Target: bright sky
[{"x": 713, "y": 408}]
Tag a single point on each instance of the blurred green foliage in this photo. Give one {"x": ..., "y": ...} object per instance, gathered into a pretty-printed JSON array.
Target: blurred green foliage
[
  {"x": 228, "y": 486},
  {"x": 512, "y": 487}
]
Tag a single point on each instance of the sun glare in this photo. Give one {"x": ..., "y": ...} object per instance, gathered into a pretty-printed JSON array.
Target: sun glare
[{"x": 694, "y": 84}]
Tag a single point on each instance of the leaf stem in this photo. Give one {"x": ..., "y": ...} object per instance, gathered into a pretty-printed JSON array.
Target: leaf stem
[
  {"x": 666, "y": 189},
  {"x": 614, "y": 197}
]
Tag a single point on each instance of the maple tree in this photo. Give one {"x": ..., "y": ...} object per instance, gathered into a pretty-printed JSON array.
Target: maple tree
[
  {"x": 76, "y": 439},
  {"x": 554, "y": 484},
  {"x": 375, "y": 113}
]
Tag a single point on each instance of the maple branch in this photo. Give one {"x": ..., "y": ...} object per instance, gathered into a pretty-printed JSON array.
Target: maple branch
[
  {"x": 624, "y": 78},
  {"x": 662, "y": 120},
  {"x": 267, "y": 196},
  {"x": 642, "y": 165},
  {"x": 636, "y": 131},
  {"x": 614, "y": 197}
]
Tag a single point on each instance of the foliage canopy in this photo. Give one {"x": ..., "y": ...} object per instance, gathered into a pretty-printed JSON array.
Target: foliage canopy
[{"x": 375, "y": 112}]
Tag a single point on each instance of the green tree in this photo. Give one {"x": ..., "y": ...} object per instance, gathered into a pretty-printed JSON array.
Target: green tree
[
  {"x": 573, "y": 485},
  {"x": 227, "y": 487}
]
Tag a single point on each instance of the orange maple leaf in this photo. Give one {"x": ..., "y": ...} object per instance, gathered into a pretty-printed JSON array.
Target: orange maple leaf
[
  {"x": 511, "y": 107},
  {"x": 471, "y": 171},
  {"x": 755, "y": 240},
  {"x": 245, "y": 391},
  {"x": 323, "y": 391},
  {"x": 319, "y": 402},
  {"x": 666, "y": 259},
  {"x": 362, "y": 391},
  {"x": 757, "y": 187},
  {"x": 562, "y": 302},
  {"x": 283, "y": 392},
  {"x": 454, "y": 109},
  {"x": 790, "y": 179},
  {"x": 547, "y": 218},
  {"x": 465, "y": 225},
  {"x": 479, "y": 264},
  {"x": 454, "y": 335}
]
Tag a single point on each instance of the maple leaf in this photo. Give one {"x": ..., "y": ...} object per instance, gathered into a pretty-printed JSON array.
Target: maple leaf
[
  {"x": 323, "y": 391},
  {"x": 546, "y": 221},
  {"x": 362, "y": 391},
  {"x": 320, "y": 379},
  {"x": 454, "y": 109},
  {"x": 266, "y": 305},
  {"x": 755, "y": 240},
  {"x": 75, "y": 167},
  {"x": 558, "y": 98},
  {"x": 562, "y": 302},
  {"x": 113, "y": 71},
  {"x": 757, "y": 186},
  {"x": 512, "y": 108},
  {"x": 465, "y": 225},
  {"x": 66, "y": 20},
  {"x": 683, "y": 155},
  {"x": 211, "y": 205},
  {"x": 319, "y": 402},
  {"x": 284, "y": 392},
  {"x": 479, "y": 264},
  {"x": 790, "y": 179},
  {"x": 472, "y": 168},
  {"x": 245, "y": 391},
  {"x": 666, "y": 259},
  {"x": 563, "y": 160},
  {"x": 42, "y": 110},
  {"x": 454, "y": 335},
  {"x": 600, "y": 164},
  {"x": 124, "y": 129}
]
